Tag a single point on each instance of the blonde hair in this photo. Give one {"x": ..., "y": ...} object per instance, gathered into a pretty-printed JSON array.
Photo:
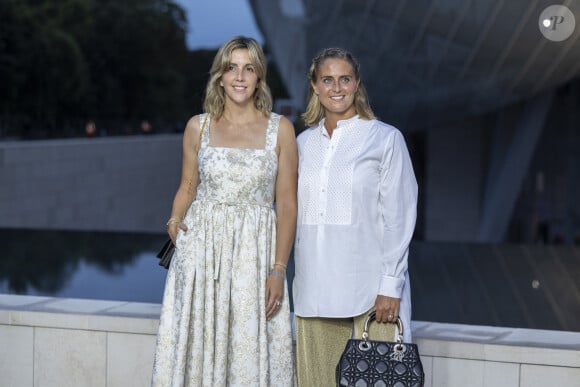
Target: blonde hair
[
  {"x": 215, "y": 99},
  {"x": 314, "y": 109}
]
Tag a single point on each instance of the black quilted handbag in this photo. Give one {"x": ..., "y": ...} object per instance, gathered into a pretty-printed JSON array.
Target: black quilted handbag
[{"x": 380, "y": 363}]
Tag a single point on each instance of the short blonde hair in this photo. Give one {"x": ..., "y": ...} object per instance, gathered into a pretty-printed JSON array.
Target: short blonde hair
[
  {"x": 215, "y": 99},
  {"x": 314, "y": 109}
]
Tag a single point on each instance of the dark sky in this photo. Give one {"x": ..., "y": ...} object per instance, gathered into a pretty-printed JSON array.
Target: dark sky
[{"x": 212, "y": 22}]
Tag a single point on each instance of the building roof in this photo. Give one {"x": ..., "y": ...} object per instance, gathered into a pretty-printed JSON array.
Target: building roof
[{"x": 426, "y": 62}]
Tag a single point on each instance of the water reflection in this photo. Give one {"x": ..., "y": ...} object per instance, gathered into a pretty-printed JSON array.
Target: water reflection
[
  {"x": 525, "y": 286},
  {"x": 96, "y": 265}
]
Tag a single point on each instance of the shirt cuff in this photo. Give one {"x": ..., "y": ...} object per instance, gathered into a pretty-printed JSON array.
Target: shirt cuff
[{"x": 391, "y": 286}]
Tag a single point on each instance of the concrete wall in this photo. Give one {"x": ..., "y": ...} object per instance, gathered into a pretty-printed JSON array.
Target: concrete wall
[
  {"x": 109, "y": 183},
  {"x": 454, "y": 182},
  {"x": 128, "y": 183},
  {"x": 71, "y": 342}
]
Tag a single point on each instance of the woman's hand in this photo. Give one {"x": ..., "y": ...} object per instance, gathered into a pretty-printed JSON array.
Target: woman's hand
[
  {"x": 387, "y": 309},
  {"x": 274, "y": 294},
  {"x": 173, "y": 229}
]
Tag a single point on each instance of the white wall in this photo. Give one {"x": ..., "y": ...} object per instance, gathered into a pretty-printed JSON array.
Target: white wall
[{"x": 70, "y": 342}]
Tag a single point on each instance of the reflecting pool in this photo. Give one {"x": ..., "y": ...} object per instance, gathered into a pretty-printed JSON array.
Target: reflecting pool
[
  {"x": 524, "y": 286},
  {"x": 71, "y": 264}
]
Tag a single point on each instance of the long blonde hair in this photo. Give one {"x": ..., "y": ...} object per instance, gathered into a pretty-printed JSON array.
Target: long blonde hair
[
  {"x": 215, "y": 99},
  {"x": 314, "y": 110}
]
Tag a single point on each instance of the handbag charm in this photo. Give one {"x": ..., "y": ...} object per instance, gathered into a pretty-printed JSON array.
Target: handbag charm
[{"x": 369, "y": 363}]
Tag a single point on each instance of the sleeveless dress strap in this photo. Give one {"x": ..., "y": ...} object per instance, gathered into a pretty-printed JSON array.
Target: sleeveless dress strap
[
  {"x": 272, "y": 131},
  {"x": 205, "y": 129}
]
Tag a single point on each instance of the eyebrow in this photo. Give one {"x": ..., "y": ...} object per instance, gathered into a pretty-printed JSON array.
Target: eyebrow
[{"x": 244, "y": 65}]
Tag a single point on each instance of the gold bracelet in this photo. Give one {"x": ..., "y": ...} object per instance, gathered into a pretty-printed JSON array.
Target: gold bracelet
[
  {"x": 172, "y": 220},
  {"x": 281, "y": 264}
]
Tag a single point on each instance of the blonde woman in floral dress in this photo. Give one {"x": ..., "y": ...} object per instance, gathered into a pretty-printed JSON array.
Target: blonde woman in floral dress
[{"x": 225, "y": 319}]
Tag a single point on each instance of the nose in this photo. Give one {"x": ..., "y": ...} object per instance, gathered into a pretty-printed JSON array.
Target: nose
[
  {"x": 336, "y": 86},
  {"x": 239, "y": 74}
]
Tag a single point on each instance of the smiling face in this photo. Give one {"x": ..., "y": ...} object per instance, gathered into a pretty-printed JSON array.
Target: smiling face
[
  {"x": 239, "y": 80},
  {"x": 336, "y": 86}
]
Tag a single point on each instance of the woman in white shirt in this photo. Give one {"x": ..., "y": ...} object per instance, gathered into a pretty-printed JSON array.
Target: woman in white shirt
[{"x": 357, "y": 198}]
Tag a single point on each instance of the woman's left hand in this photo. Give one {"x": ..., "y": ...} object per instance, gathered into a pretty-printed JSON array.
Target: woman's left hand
[
  {"x": 387, "y": 309},
  {"x": 274, "y": 295}
]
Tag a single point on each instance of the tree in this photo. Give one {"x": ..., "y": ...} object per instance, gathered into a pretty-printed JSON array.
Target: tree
[{"x": 63, "y": 62}]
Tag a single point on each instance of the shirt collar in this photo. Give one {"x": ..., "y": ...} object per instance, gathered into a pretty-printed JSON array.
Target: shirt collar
[{"x": 339, "y": 124}]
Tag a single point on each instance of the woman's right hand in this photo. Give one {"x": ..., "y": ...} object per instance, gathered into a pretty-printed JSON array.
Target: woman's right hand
[{"x": 173, "y": 230}]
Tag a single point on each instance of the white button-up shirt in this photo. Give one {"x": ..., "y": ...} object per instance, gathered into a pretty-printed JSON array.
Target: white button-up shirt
[{"x": 357, "y": 199}]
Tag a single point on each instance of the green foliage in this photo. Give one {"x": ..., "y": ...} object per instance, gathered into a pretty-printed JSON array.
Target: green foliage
[
  {"x": 63, "y": 63},
  {"x": 116, "y": 62}
]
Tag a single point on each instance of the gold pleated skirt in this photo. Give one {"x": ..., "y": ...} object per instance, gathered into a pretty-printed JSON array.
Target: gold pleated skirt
[{"x": 321, "y": 341}]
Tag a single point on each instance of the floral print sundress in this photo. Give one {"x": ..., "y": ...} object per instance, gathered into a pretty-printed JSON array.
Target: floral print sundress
[{"x": 213, "y": 329}]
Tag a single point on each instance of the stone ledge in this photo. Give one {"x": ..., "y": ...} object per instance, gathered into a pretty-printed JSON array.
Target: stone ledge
[
  {"x": 498, "y": 344},
  {"x": 83, "y": 314},
  {"x": 471, "y": 342}
]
